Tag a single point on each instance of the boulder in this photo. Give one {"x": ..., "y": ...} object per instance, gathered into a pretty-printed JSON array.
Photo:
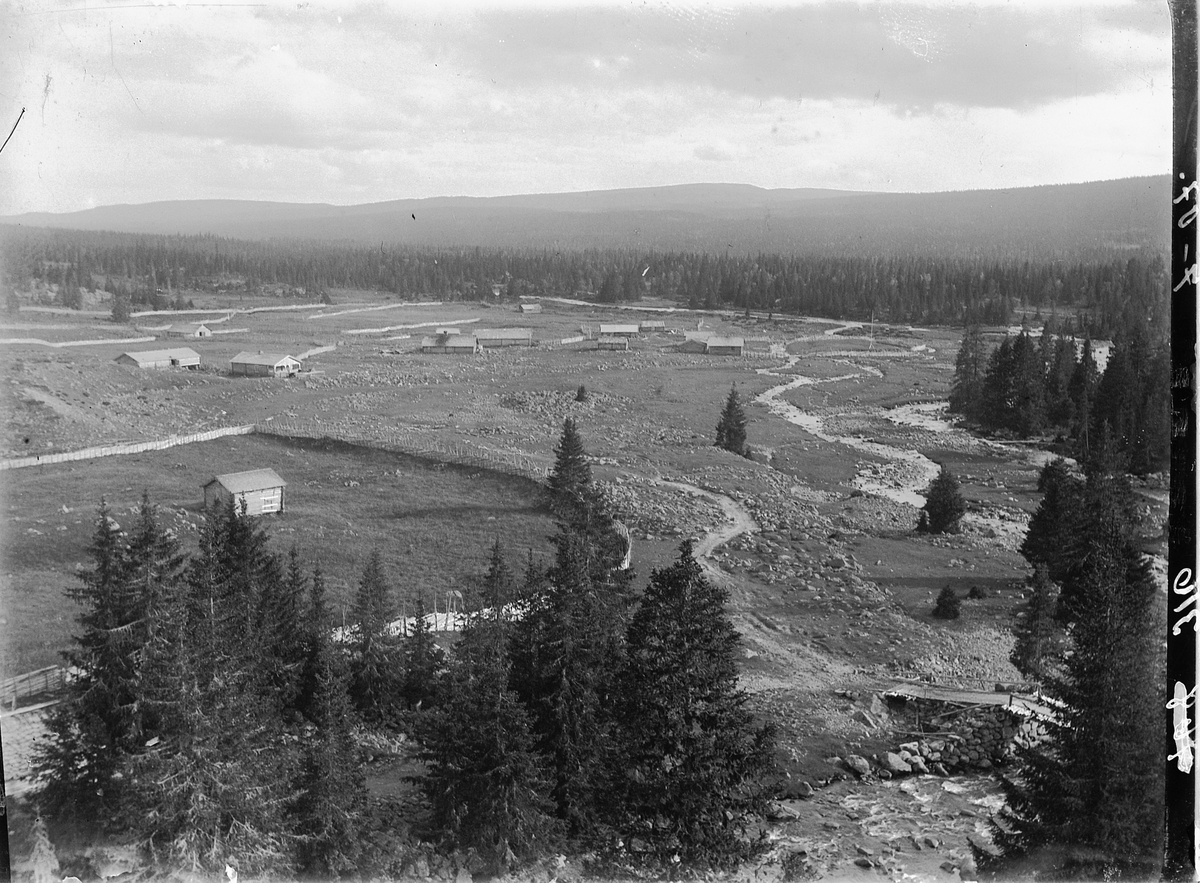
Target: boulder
[
  {"x": 911, "y": 747},
  {"x": 893, "y": 763},
  {"x": 918, "y": 766},
  {"x": 857, "y": 764},
  {"x": 863, "y": 862}
]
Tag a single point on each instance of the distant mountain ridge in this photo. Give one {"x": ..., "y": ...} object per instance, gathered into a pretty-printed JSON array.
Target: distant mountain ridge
[{"x": 1128, "y": 213}]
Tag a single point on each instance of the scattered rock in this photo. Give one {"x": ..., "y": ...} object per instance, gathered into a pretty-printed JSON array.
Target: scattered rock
[
  {"x": 857, "y": 764},
  {"x": 893, "y": 763},
  {"x": 864, "y": 862}
]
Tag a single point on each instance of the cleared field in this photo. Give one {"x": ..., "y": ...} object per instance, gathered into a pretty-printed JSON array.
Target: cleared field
[{"x": 433, "y": 525}]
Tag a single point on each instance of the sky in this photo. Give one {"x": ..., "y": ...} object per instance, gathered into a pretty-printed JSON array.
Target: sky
[{"x": 344, "y": 102}]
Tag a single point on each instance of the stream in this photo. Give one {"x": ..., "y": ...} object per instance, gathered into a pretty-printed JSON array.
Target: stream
[{"x": 907, "y": 471}]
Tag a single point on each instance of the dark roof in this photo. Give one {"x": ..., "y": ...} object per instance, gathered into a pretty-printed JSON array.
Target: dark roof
[
  {"x": 180, "y": 353},
  {"x": 271, "y": 359},
  {"x": 251, "y": 480}
]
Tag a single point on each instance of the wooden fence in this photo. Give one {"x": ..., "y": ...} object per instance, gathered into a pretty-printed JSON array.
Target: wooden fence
[
  {"x": 42, "y": 682},
  {"x": 415, "y": 445},
  {"x": 128, "y": 448}
]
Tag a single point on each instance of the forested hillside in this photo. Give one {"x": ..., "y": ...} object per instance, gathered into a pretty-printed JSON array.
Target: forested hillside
[
  {"x": 1090, "y": 296},
  {"x": 1064, "y": 222}
]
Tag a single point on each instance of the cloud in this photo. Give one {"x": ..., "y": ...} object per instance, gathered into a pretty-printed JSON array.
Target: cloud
[
  {"x": 708, "y": 153},
  {"x": 905, "y": 55}
]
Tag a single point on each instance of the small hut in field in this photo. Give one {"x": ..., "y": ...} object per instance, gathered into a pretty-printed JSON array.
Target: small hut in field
[{"x": 260, "y": 489}]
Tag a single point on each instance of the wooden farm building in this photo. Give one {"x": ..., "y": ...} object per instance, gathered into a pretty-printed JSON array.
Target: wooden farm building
[
  {"x": 652, "y": 325},
  {"x": 189, "y": 329},
  {"x": 710, "y": 344},
  {"x": 531, "y": 308},
  {"x": 450, "y": 343},
  {"x": 264, "y": 365},
  {"x": 261, "y": 489},
  {"x": 618, "y": 330},
  {"x": 608, "y": 342},
  {"x": 179, "y": 357},
  {"x": 724, "y": 346},
  {"x": 758, "y": 343},
  {"x": 495, "y": 337}
]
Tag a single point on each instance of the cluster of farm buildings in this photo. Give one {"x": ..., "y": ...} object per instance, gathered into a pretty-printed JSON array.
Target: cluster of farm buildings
[
  {"x": 603, "y": 337},
  {"x": 448, "y": 340}
]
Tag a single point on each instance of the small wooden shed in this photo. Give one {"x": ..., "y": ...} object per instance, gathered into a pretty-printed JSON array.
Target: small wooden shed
[
  {"x": 261, "y": 489},
  {"x": 607, "y": 342},
  {"x": 189, "y": 329},
  {"x": 179, "y": 357},
  {"x": 531, "y": 308},
  {"x": 264, "y": 365},
  {"x": 618, "y": 330},
  {"x": 652, "y": 325},
  {"x": 450, "y": 343},
  {"x": 725, "y": 346},
  {"x": 497, "y": 337}
]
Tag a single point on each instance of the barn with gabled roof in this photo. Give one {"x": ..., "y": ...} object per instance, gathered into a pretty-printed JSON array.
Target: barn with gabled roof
[{"x": 261, "y": 489}]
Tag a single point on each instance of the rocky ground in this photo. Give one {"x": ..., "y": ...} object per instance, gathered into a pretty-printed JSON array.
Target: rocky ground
[{"x": 831, "y": 588}]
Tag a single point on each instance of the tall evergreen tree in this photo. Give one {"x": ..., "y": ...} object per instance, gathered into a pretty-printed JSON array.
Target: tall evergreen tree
[
  {"x": 970, "y": 369},
  {"x": 1039, "y": 639},
  {"x": 571, "y": 477},
  {"x": 1090, "y": 802},
  {"x": 487, "y": 785},
  {"x": 1082, "y": 390},
  {"x": 101, "y": 723},
  {"x": 214, "y": 785},
  {"x": 333, "y": 787},
  {"x": 944, "y": 504},
  {"x": 1053, "y": 530},
  {"x": 423, "y": 663},
  {"x": 691, "y": 762},
  {"x": 374, "y": 669},
  {"x": 731, "y": 428}
]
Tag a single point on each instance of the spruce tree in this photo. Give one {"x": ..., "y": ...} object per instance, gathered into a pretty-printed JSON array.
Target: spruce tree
[
  {"x": 944, "y": 503},
  {"x": 949, "y": 605},
  {"x": 487, "y": 785},
  {"x": 731, "y": 428},
  {"x": 571, "y": 477},
  {"x": 214, "y": 782},
  {"x": 970, "y": 368},
  {"x": 374, "y": 668},
  {"x": 333, "y": 787},
  {"x": 690, "y": 764},
  {"x": 423, "y": 664},
  {"x": 1054, "y": 526},
  {"x": 1038, "y": 643},
  {"x": 101, "y": 721},
  {"x": 1089, "y": 803}
]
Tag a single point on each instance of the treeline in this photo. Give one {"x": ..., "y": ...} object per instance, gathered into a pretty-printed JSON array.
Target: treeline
[
  {"x": 1119, "y": 418},
  {"x": 1090, "y": 297},
  {"x": 1088, "y": 803},
  {"x": 215, "y": 715}
]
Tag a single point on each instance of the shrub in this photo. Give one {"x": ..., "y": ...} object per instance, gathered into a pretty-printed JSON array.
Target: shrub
[
  {"x": 948, "y": 604},
  {"x": 944, "y": 503}
]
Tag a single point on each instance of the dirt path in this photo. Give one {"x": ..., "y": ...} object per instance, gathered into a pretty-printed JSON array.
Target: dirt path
[{"x": 740, "y": 519}]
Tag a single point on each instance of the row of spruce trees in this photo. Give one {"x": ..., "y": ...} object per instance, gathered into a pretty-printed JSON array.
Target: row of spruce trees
[
  {"x": 1088, "y": 802},
  {"x": 214, "y": 712},
  {"x": 1030, "y": 387}
]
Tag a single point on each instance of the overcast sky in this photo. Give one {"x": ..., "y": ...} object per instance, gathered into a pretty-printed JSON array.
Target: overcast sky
[{"x": 130, "y": 102}]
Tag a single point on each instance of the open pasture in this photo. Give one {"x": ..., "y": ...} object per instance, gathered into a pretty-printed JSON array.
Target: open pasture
[{"x": 433, "y": 525}]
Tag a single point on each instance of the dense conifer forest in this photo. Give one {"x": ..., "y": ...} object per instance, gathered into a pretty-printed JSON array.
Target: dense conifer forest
[
  {"x": 1090, "y": 296},
  {"x": 1118, "y": 418},
  {"x": 217, "y": 712}
]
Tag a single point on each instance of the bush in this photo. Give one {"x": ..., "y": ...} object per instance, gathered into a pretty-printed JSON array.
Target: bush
[
  {"x": 978, "y": 593},
  {"x": 948, "y": 604},
  {"x": 581, "y": 394},
  {"x": 944, "y": 504}
]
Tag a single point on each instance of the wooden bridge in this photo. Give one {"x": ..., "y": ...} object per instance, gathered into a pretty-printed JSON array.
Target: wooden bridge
[{"x": 1019, "y": 702}]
